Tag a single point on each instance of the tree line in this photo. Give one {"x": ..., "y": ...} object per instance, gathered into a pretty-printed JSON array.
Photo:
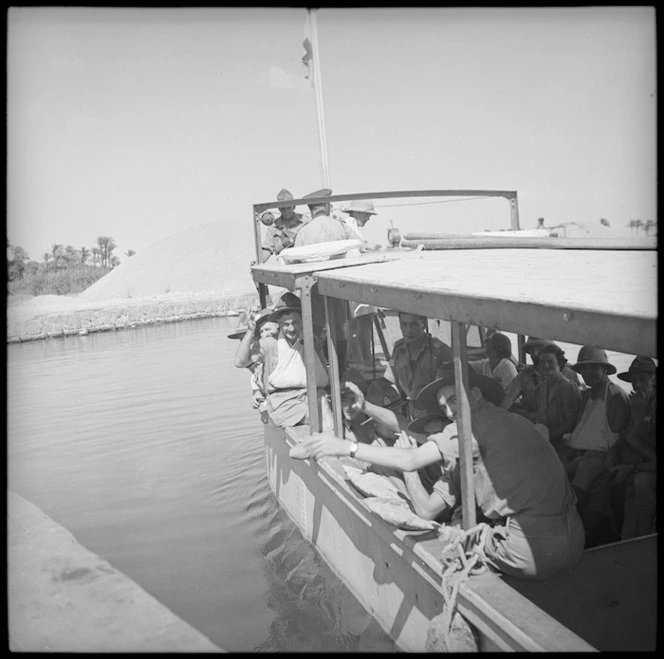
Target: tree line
[
  {"x": 63, "y": 269},
  {"x": 648, "y": 226}
]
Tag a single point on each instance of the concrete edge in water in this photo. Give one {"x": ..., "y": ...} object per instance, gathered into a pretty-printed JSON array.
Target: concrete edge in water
[{"x": 64, "y": 598}]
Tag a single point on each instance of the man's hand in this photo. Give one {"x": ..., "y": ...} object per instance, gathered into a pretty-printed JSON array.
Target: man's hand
[
  {"x": 359, "y": 403},
  {"x": 404, "y": 440}
]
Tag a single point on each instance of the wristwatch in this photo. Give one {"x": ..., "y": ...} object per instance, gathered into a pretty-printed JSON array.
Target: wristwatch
[{"x": 353, "y": 449}]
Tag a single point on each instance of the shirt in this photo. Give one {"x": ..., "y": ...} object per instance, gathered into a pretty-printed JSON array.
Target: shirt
[
  {"x": 415, "y": 364},
  {"x": 515, "y": 469},
  {"x": 504, "y": 371},
  {"x": 322, "y": 229},
  {"x": 618, "y": 407},
  {"x": 557, "y": 403},
  {"x": 278, "y": 236}
]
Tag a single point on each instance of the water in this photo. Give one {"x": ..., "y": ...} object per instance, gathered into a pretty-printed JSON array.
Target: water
[{"x": 143, "y": 444}]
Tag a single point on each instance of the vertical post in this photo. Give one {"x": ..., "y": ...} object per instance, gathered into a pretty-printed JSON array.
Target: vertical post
[
  {"x": 514, "y": 212},
  {"x": 520, "y": 352},
  {"x": 258, "y": 241},
  {"x": 310, "y": 355},
  {"x": 335, "y": 378},
  {"x": 464, "y": 425},
  {"x": 318, "y": 88}
]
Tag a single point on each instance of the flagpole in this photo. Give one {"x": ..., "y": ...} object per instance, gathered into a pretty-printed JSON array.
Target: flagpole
[{"x": 318, "y": 88}]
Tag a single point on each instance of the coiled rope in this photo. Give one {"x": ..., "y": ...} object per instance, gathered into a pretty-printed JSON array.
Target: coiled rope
[{"x": 462, "y": 557}]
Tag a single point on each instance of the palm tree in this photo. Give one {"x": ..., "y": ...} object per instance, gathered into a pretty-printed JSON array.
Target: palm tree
[
  {"x": 638, "y": 224},
  {"x": 115, "y": 261},
  {"x": 96, "y": 256},
  {"x": 71, "y": 255},
  {"x": 106, "y": 246},
  {"x": 47, "y": 258},
  {"x": 130, "y": 252},
  {"x": 649, "y": 226},
  {"x": 56, "y": 252},
  {"x": 631, "y": 224},
  {"x": 85, "y": 252}
]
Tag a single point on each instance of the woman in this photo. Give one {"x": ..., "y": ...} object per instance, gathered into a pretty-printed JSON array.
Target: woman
[
  {"x": 557, "y": 400},
  {"x": 498, "y": 363}
]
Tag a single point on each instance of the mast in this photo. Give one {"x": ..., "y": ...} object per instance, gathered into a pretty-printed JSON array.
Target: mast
[{"x": 317, "y": 82}]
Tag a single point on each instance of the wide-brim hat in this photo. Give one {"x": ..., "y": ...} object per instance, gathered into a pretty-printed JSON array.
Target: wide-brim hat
[
  {"x": 285, "y": 304},
  {"x": 534, "y": 342},
  {"x": 381, "y": 392},
  {"x": 284, "y": 195},
  {"x": 491, "y": 389},
  {"x": 243, "y": 328},
  {"x": 362, "y": 206},
  {"x": 639, "y": 365},
  {"x": 417, "y": 425},
  {"x": 592, "y": 356},
  {"x": 323, "y": 192}
]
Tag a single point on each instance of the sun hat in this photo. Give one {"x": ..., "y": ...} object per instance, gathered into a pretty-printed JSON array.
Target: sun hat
[
  {"x": 242, "y": 327},
  {"x": 418, "y": 424},
  {"x": 593, "y": 356},
  {"x": 640, "y": 364},
  {"x": 361, "y": 205},
  {"x": 381, "y": 392},
  {"x": 427, "y": 399},
  {"x": 285, "y": 304},
  {"x": 534, "y": 342},
  {"x": 284, "y": 195}
]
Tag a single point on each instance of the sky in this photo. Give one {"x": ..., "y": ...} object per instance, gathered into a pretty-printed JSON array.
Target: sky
[{"x": 140, "y": 123}]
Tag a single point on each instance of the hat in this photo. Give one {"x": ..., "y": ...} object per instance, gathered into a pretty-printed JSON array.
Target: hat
[
  {"x": 242, "y": 327},
  {"x": 501, "y": 344},
  {"x": 324, "y": 192},
  {"x": 592, "y": 356},
  {"x": 284, "y": 195},
  {"x": 534, "y": 342},
  {"x": 362, "y": 205},
  {"x": 639, "y": 365},
  {"x": 417, "y": 425},
  {"x": 381, "y": 392},
  {"x": 286, "y": 303},
  {"x": 491, "y": 389},
  {"x": 266, "y": 220}
]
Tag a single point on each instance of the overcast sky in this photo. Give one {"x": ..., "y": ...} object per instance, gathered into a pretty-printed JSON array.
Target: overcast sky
[{"x": 139, "y": 123}]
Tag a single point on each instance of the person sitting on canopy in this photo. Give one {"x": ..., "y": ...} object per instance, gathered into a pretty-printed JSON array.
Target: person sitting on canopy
[{"x": 519, "y": 482}]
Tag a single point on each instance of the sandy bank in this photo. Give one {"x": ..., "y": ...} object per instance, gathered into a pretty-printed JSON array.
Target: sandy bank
[
  {"x": 53, "y": 316},
  {"x": 63, "y": 598}
]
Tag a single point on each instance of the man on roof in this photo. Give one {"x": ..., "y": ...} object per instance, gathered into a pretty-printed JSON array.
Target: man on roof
[
  {"x": 284, "y": 226},
  {"x": 519, "y": 483},
  {"x": 323, "y": 227}
]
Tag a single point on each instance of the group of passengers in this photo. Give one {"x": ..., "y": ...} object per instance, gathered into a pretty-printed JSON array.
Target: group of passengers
[{"x": 558, "y": 464}]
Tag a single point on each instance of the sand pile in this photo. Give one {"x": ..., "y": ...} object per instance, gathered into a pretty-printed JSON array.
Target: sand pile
[{"x": 202, "y": 259}]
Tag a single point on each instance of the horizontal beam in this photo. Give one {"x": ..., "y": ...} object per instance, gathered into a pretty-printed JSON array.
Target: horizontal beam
[
  {"x": 456, "y": 241},
  {"x": 628, "y": 334},
  {"x": 508, "y": 194}
]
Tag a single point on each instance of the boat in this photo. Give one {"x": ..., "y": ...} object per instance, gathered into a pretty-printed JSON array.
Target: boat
[{"x": 608, "y": 601}]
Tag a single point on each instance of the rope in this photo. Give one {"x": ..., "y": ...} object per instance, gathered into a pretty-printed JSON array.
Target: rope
[{"x": 462, "y": 557}]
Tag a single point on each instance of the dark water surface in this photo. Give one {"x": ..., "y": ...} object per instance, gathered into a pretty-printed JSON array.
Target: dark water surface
[{"x": 143, "y": 444}]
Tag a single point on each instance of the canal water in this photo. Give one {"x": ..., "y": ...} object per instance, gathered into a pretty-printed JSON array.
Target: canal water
[{"x": 143, "y": 444}]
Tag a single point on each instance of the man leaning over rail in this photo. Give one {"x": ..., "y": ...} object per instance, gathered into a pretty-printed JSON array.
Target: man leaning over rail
[{"x": 519, "y": 482}]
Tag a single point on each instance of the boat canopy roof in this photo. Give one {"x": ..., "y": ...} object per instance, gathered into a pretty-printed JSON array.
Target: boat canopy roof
[{"x": 600, "y": 297}]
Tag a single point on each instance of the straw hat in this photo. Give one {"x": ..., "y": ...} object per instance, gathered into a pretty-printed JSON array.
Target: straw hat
[
  {"x": 287, "y": 302},
  {"x": 427, "y": 399},
  {"x": 361, "y": 205},
  {"x": 592, "y": 356},
  {"x": 639, "y": 365}
]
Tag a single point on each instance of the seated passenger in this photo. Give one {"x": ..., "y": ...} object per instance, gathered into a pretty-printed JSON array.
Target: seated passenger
[
  {"x": 415, "y": 359},
  {"x": 557, "y": 400},
  {"x": 498, "y": 363},
  {"x": 520, "y": 393},
  {"x": 284, "y": 376},
  {"x": 519, "y": 482},
  {"x": 603, "y": 416}
]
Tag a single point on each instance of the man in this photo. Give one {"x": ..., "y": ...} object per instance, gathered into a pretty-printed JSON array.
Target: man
[
  {"x": 285, "y": 227},
  {"x": 519, "y": 482},
  {"x": 322, "y": 228},
  {"x": 415, "y": 359},
  {"x": 284, "y": 376},
  {"x": 359, "y": 212},
  {"x": 498, "y": 363},
  {"x": 603, "y": 418}
]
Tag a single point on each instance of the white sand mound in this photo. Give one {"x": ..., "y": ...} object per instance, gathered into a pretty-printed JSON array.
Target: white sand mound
[{"x": 202, "y": 259}]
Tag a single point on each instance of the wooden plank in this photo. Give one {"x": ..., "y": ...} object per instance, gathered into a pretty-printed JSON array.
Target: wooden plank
[
  {"x": 605, "y": 298},
  {"x": 464, "y": 425},
  {"x": 335, "y": 384},
  {"x": 309, "y": 356},
  {"x": 457, "y": 241}
]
